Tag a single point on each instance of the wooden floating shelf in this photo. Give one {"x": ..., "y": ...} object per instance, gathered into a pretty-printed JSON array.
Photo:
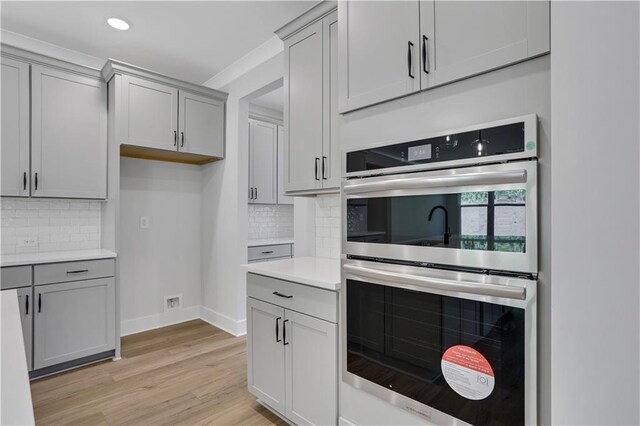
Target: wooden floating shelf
[{"x": 132, "y": 151}]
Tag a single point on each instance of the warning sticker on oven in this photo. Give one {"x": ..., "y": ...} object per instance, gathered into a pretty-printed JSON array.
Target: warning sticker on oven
[{"x": 468, "y": 372}]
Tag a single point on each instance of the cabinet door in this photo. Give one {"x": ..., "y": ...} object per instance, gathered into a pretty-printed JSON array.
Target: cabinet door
[
  {"x": 311, "y": 368},
  {"x": 263, "y": 148},
  {"x": 69, "y": 135},
  {"x": 25, "y": 303},
  {"x": 265, "y": 353},
  {"x": 330, "y": 146},
  {"x": 472, "y": 37},
  {"x": 303, "y": 109},
  {"x": 201, "y": 125},
  {"x": 379, "y": 51},
  {"x": 150, "y": 114},
  {"x": 15, "y": 129},
  {"x": 283, "y": 167},
  {"x": 73, "y": 320}
]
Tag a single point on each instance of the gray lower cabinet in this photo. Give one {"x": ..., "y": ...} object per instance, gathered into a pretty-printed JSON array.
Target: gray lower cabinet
[
  {"x": 25, "y": 302},
  {"x": 292, "y": 356},
  {"x": 20, "y": 278},
  {"x": 67, "y": 309},
  {"x": 73, "y": 320},
  {"x": 266, "y": 353},
  {"x": 269, "y": 252}
]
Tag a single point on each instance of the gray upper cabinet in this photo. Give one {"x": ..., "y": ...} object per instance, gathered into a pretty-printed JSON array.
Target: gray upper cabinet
[
  {"x": 157, "y": 117},
  {"x": 303, "y": 108},
  {"x": 150, "y": 112},
  {"x": 201, "y": 125},
  {"x": 465, "y": 38},
  {"x": 331, "y": 161},
  {"x": 283, "y": 168},
  {"x": 263, "y": 160},
  {"x": 390, "y": 49},
  {"x": 68, "y": 134},
  {"x": 73, "y": 320},
  {"x": 379, "y": 48},
  {"x": 311, "y": 151},
  {"x": 15, "y": 128}
]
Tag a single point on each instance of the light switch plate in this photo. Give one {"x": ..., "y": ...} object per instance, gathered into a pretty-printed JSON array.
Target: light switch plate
[{"x": 144, "y": 222}]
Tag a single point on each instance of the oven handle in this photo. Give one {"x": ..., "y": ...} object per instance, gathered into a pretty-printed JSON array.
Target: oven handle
[
  {"x": 465, "y": 179},
  {"x": 510, "y": 292}
]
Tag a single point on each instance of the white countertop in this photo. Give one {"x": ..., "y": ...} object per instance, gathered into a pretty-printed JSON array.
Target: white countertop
[
  {"x": 16, "y": 407},
  {"x": 314, "y": 271},
  {"x": 269, "y": 242},
  {"x": 54, "y": 257}
]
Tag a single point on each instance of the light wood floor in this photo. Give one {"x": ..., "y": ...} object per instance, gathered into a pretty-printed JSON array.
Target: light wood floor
[{"x": 187, "y": 374}]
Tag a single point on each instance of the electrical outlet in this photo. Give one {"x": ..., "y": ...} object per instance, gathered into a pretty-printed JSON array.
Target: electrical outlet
[
  {"x": 27, "y": 242},
  {"x": 144, "y": 222},
  {"x": 173, "y": 302}
]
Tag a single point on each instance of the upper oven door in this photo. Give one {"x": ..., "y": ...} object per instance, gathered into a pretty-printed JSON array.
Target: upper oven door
[{"x": 479, "y": 217}]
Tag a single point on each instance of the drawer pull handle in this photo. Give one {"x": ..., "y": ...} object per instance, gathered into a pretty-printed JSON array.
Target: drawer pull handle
[
  {"x": 267, "y": 252},
  {"x": 79, "y": 271},
  {"x": 282, "y": 295},
  {"x": 39, "y": 302},
  {"x": 27, "y": 305}
]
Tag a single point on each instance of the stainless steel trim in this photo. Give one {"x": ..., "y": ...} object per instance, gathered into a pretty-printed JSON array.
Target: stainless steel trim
[
  {"x": 415, "y": 281},
  {"x": 426, "y": 181}
]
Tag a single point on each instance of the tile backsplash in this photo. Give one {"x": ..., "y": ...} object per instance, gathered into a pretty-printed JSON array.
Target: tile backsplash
[
  {"x": 328, "y": 226},
  {"x": 55, "y": 224},
  {"x": 270, "y": 221}
]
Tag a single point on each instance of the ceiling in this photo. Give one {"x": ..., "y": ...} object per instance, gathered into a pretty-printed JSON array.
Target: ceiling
[
  {"x": 273, "y": 100},
  {"x": 191, "y": 40}
]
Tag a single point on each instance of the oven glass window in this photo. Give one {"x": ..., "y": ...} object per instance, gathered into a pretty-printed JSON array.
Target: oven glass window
[
  {"x": 490, "y": 221},
  {"x": 396, "y": 338}
]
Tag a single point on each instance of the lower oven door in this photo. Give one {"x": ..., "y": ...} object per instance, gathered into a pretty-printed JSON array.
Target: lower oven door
[{"x": 452, "y": 347}]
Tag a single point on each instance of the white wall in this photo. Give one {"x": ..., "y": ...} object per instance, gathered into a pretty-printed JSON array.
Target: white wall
[
  {"x": 516, "y": 90},
  {"x": 595, "y": 210},
  {"x": 224, "y": 204},
  {"x": 164, "y": 259}
]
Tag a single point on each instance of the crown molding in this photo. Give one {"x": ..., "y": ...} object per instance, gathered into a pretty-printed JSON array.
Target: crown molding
[
  {"x": 312, "y": 15},
  {"x": 113, "y": 67}
]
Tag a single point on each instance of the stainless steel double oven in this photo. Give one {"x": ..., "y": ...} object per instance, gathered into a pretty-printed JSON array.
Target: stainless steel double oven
[{"x": 439, "y": 273}]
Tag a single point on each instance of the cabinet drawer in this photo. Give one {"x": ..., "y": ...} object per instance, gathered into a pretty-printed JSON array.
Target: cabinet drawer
[
  {"x": 302, "y": 298},
  {"x": 73, "y": 271},
  {"x": 15, "y": 276},
  {"x": 269, "y": 252}
]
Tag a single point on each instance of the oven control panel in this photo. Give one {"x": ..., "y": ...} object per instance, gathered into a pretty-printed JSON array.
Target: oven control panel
[{"x": 480, "y": 145}]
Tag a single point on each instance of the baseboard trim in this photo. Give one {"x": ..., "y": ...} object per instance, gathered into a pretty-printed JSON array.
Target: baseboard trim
[
  {"x": 223, "y": 322},
  {"x": 162, "y": 319}
]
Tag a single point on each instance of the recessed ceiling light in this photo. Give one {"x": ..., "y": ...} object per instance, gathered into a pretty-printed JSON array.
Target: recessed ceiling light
[{"x": 118, "y": 24}]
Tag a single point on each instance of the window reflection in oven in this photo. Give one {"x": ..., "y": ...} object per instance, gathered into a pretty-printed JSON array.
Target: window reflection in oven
[
  {"x": 397, "y": 337},
  {"x": 485, "y": 220}
]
